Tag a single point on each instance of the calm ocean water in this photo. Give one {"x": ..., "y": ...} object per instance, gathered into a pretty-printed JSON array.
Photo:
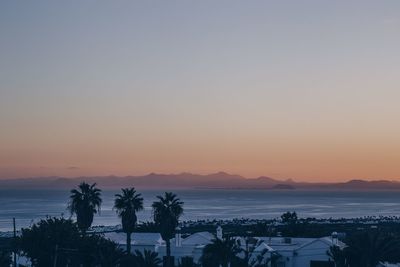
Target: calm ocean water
[{"x": 30, "y": 206}]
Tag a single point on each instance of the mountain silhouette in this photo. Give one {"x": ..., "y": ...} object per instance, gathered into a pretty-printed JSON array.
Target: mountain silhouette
[{"x": 219, "y": 180}]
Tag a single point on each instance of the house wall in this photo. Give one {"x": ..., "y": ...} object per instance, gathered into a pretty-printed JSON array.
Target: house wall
[
  {"x": 316, "y": 251},
  {"x": 143, "y": 247},
  {"x": 179, "y": 252}
]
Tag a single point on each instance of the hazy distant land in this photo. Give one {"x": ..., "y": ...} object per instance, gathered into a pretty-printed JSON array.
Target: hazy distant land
[{"x": 220, "y": 180}]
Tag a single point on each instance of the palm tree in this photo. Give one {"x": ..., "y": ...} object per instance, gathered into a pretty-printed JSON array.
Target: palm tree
[
  {"x": 166, "y": 212},
  {"x": 367, "y": 249},
  {"x": 257, "y": 255},
  {"x": 221, "y": 252},
  {"x": 85, "y": 202},
  {"x": 126, "y": 205},
  {"x": 5, "y": 258},
  {"x": 338, "y": 255},
  {"x": 263, "y": 259},
  {"x": 147, "y": 259}
]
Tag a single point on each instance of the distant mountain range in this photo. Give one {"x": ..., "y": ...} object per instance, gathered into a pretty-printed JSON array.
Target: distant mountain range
[{"x": 220, "y": 180}]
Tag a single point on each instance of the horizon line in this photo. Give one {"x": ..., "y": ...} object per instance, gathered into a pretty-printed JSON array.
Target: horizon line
[{"x": 205, "y": 174}]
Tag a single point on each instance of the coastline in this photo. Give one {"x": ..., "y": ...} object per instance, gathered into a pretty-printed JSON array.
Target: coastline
[{"x": 189, "y": 226}]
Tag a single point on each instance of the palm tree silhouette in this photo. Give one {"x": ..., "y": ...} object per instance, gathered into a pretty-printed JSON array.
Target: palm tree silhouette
[
  {"x": 264, "y": 258},
  {"x": 5, "y": 258},
  {"x": 147, "y": 259},
  {"x": 166, "y": 212},
  {"x": 338, "y": 255},
  {"x": 368, "y": 248},
  {"x": 85, "y": 202},
  {"x": 126, "y": 205},
  {"x": 221, "y": 252}
]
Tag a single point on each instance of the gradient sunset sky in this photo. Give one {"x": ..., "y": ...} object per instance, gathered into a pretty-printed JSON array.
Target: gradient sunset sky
[{"x": 308, "y": 90}]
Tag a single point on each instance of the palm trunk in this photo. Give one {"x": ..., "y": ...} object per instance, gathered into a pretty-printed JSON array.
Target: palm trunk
[
  {"x": 128, "y": 243},
  {"x": 168, "y": 242},
  {"x": 83, "y": 233}
]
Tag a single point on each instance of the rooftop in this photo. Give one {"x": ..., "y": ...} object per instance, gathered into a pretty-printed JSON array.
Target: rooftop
[{"x": 137, "y": 238}]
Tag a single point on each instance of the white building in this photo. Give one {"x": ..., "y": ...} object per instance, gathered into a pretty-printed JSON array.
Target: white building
[
  {"x": 386, "y": 264},
  {"x": 289, "y": 252},
  {"x": 192, "y": 246},
  {"x": 297, "y": 252},
  {"x": 140, "y": 241}
]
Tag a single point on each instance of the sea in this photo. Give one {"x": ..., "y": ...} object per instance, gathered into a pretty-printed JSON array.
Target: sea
[{"x": 29, "y": 206}]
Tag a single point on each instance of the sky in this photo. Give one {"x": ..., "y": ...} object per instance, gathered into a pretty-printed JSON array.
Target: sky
[{"x": 308, "y": 90}]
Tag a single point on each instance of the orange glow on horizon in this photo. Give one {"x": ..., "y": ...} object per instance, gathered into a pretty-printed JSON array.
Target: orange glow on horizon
[{"x": 308, "y": 91}]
